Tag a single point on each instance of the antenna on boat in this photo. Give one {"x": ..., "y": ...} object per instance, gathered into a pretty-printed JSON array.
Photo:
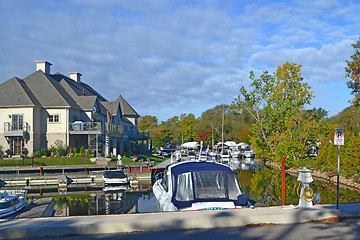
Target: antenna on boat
[
  {"x": 222, "y": 136},
  {"x": 201, "y": 145}
]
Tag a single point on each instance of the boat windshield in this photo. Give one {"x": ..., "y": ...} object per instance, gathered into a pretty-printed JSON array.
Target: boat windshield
[
  {"x": 10, "y": 203},
  {"x": 207, "y": 185}
]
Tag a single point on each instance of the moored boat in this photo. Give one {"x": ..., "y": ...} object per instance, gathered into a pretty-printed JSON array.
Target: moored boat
[
  {"x": 11, "y": 202},
  {"x": 115, "y": 177},
  {"x": 199, "y": 185}
]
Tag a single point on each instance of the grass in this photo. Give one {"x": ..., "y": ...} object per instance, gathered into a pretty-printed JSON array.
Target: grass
[
  {"x": 61, "y": 161},
  {"x": 128, "y": 160},
  {"x": 51, "y": 161}
]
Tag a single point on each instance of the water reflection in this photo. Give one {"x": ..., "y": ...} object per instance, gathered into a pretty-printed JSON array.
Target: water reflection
[
  {"x": 260, "y": 183},
  {"x": 264, "y": 186},
  {"x": 107, "y": 200}
]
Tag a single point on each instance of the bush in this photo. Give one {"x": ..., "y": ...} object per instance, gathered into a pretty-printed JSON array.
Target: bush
[
  {"x": 82, "y": 151},
  {"x": 60, "y": 151},
  {"x": 37, "y": 154},
  {"x": 75, "y": 151},
  {"x": 44, "y": 151},
  {"x": 89, "y": 152}
]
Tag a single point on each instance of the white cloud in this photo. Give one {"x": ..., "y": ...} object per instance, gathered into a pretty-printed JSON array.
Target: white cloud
[{"x": 173, "y": 57}]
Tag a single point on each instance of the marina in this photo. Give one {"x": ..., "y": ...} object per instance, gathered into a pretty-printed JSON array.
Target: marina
[{"x": 81, "y": 197}]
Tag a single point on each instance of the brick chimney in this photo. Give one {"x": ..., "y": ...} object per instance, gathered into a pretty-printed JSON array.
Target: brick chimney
[
  {"x": 75, "y": 76},
  {"x": 44, "y": 66}
]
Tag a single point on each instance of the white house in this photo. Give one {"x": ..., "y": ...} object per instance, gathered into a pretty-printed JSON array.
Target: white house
[{"x": 45, "y": 109}]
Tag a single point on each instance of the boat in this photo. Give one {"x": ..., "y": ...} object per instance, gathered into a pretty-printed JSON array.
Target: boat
[
  {"x": 199, "y": 185},
  {"x": 115, "y": 177},
  {"x": 11, "y": 202},
  {"x": 212, "y": 156},
  {"x": 236, "y": 153},
  {"x": 249, "y": 154},
  {"x": 225, "y": 156},
  {"x": 192, "y": 155},
  {"x": 177, "y": 156}
]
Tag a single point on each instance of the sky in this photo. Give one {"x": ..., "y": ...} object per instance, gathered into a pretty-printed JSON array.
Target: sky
[{"x": 181, "y": 56}]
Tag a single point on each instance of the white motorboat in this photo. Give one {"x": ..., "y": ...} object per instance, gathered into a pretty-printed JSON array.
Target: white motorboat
[
  {"x": 212, "y": 156},
  {"x": 192, "y": 155},
  {"x": 11, "y": 202},
  {"x": 115, "y": 177},
  {"x": 199, "y": 185},
  {"x": 249, "y": 154},
  {"x": 225, "y": 156},
  {"x": 236, "y": 153}
]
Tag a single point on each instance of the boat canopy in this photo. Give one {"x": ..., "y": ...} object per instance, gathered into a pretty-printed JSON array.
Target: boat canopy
[
  {"x": 190, "y": 145},
  {"x": 204, "y": 182},
  {"x": 114, "y": 174}
]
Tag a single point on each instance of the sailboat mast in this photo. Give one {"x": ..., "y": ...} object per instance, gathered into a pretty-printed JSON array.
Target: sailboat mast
[{"x": 222, "y": 135}]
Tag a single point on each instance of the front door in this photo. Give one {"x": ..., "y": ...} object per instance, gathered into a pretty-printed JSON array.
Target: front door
[{"x": 17, "y": 147}]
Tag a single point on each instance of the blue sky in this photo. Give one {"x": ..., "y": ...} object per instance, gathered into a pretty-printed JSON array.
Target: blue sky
[{"x": 172, "y": 57}]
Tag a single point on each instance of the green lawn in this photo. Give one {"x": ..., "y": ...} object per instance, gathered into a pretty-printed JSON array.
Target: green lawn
[
  {"x": 59, "y": 161},
  {"x": 45, "y": 162}
]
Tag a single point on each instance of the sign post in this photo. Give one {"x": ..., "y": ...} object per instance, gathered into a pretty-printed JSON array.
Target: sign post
[{"x": 338, "y": 140}]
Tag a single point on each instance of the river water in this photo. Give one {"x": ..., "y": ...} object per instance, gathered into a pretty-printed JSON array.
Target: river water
[{"x": 261, "y": 184}]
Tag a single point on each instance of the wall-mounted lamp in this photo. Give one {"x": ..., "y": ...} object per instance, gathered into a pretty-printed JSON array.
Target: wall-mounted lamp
[{"x": 9, "y": 116}]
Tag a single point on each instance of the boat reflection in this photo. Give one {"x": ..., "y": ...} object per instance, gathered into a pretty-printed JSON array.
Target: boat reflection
[{"x": 245, "y": 164}]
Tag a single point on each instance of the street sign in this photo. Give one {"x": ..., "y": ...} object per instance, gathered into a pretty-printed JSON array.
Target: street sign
[{"x": 339, "y": 136}]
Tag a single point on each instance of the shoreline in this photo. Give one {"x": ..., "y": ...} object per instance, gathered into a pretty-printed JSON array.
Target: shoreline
[{"x": 316, "y": 174}]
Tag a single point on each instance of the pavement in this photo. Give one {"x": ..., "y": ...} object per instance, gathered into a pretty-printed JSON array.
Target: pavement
[{"x": 170, "y": 221}]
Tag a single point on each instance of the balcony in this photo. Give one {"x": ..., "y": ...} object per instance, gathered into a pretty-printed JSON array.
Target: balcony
[
  {"x": 114, "y": 128},
  {"x": 79, "y": 127},
  {"x": 140, "y": 135},
  {"x": 16, "y": 130}
]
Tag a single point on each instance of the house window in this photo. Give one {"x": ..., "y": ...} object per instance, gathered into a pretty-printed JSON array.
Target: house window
[
  {"x": 54, "y": 118},
  {"x": 17, "y": 122}
]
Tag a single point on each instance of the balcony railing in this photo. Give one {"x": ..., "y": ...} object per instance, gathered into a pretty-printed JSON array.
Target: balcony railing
[
  {"x": 16, "y": 129},
  {"x": 79, "y": 126},
  {"x": 114, "y": 128},
  {"x": 140, "y": 135}
]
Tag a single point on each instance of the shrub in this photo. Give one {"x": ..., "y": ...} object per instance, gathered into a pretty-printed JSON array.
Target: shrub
[
  {"x": 37, "y": 154},
  {"x": 75, "y": 151},
  {"x": 82, "y": 151},
  {"x": 89, "y": 152},
  {"x": 44, "y": 151},
  {"x": 60, "y": 151}
]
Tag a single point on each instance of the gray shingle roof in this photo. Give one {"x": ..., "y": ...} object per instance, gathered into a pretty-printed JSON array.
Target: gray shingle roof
[
  {"x": 112, "y": 107},
  {"x": 126, "y": 109},
  {"x": 57, "y": 91},
  {"x": 48, "y": 91},
  {"x": 15, "y": 93}
]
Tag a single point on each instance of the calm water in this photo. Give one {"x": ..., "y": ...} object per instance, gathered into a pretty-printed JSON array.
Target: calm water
[{"x": 261, "y": 184}]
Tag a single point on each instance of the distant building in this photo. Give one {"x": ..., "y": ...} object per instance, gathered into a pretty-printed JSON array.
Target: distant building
[{"x": 44, "y": 110}]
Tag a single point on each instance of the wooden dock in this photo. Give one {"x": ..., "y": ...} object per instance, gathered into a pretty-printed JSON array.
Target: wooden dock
[{"x": 40, "y": 207}]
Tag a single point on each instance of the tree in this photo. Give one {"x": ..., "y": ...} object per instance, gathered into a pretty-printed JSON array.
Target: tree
[
  {"x": 162, "y": 138},
  {"x": 186, "y": 124},
  {"x": 276, "y": 103},
  {"x": 148, "y": 123},
  {"x": 353, "y": 72},
  {"x": 204, "y": 136}
]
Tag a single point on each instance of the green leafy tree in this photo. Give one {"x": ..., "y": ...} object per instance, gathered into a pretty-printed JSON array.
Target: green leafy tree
[
  {"x": 353, "y": 72},
  {"x": 186, "y": 125},
  {"x": 162, "y": 138},
  {"x": 148, "y": 123},
  {"x": 276, "y": 104}
]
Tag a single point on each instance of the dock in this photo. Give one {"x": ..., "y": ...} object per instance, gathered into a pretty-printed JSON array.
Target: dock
[
  {"x": 41, "y": 207},
  {"x": 165, "y": 221}
]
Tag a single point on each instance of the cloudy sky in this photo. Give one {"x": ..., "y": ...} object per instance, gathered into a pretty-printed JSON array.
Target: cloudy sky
[{"x": 181, "y": 56}]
